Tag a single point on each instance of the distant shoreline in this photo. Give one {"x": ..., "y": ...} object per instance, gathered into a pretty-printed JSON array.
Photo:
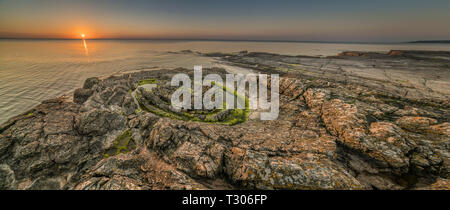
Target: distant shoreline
[
  {"x": 242, "y": 40},
  {"x": 431, "y": 42}
]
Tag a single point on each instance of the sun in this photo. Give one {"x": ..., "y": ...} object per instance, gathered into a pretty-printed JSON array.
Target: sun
[{"x": 82, "y": 36}]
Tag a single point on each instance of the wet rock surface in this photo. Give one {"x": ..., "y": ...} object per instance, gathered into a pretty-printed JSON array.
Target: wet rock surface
[{"x": 335, "y": 130}]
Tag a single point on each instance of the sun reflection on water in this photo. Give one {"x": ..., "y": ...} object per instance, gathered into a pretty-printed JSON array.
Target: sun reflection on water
[{"x": 86, "y": 51}]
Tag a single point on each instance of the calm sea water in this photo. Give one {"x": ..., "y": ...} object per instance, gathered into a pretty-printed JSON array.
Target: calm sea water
[{"x": 35, "y": 70}]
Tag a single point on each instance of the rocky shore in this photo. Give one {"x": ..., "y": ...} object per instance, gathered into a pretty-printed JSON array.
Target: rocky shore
[{"x": 359, "y": 120}]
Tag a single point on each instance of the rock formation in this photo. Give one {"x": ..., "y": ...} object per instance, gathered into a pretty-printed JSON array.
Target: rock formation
[{"x": 333, "y": 132}]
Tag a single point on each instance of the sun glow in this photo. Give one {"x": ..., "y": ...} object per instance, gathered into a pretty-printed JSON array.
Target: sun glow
[{"x": 82, "y": 36}]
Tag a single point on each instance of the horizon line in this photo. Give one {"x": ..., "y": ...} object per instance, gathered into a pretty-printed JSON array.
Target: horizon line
[
  {"x": 235, "y": 40},
  {"x": 221, "y": 40}
]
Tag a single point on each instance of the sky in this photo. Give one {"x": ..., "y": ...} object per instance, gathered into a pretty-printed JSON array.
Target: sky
[{"x": 299, "y": 20}]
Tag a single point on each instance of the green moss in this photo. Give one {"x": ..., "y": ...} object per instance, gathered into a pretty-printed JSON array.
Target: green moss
[
  {"x": 138, "y": 110},
  {"x": 30, "y": 114},
  {"x": 236, "y": 116},
  {"x": 122, "y": 144},
  {"x": 147, "y": 81}
]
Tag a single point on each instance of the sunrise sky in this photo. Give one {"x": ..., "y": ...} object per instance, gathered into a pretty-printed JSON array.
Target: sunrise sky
[{"x": 321, "y": 20}]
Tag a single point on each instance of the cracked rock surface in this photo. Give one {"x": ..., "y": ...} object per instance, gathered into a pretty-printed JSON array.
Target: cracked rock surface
[{"x": 334, "y": 131}]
